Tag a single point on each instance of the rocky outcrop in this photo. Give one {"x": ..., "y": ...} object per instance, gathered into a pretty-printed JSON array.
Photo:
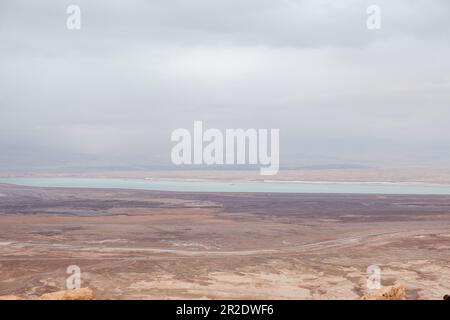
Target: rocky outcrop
[
  {"x": 10, "y": 297},
  {"x": 76, "y": 294},
  {"x": 394, "y": 292}
]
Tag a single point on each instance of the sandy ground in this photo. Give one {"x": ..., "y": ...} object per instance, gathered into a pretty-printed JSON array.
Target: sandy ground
[{"x": 167, "y": 245}]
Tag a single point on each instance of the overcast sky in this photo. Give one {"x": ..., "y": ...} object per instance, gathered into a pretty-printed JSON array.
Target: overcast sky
[{"x": 112, "y": 92}]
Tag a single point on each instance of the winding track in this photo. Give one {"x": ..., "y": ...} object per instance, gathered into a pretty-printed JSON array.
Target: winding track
[{"x": 346, "y": 241}]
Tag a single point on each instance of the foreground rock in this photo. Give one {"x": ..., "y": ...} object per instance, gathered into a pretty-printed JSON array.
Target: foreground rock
[
  {"x": 10, "y": 297},
  {"x": 76, "y": 294},
  {"x": 395, "y": 292}
]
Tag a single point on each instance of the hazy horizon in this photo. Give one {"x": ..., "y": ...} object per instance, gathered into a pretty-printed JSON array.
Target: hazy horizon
[{"x": 110, "y": 94}]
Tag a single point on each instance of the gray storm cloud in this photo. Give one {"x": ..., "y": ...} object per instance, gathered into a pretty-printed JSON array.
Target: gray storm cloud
[{"x": 112, "y": 92}]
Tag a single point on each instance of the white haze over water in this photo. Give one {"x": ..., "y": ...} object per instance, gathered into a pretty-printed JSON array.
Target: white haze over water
[
  {"x": 181, "y": 185},
  {"x": 111, "y": 93}
]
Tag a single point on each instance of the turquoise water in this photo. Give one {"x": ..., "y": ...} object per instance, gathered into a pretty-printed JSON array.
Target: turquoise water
[{"x": 237, "y": 186}]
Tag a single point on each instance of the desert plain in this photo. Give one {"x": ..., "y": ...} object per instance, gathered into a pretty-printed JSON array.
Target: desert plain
[{"x": 136, "y": 244}]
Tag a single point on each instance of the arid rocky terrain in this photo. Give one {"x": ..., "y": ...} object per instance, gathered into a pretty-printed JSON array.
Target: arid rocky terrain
[{"x": 166, "y": 245}]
